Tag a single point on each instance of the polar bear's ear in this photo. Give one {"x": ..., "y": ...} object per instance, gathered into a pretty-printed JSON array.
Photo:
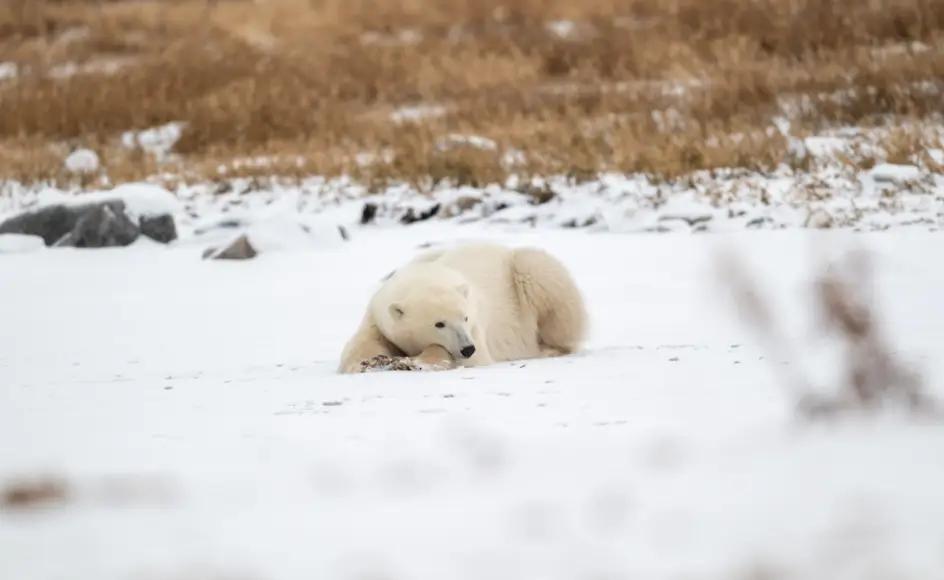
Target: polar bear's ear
[
  {"x": 396, "y": 311},
  {"x": 463, "y": 289}
]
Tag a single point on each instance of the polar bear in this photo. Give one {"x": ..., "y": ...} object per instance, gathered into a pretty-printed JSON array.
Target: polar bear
[{"x": 471, "y": 305}]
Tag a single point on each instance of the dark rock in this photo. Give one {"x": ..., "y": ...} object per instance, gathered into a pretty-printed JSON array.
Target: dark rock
[
  {"x": 467, "y": 202},
  {"x": 238, "y": 249},
  {"x": 93, "y": 225},
  {"x": 412, "y": 216},
  {"x": 369, "y": 213},
  {"x": 159, "y": 228},
  {"x": 691, "y": 220},
  {"x": 584, "y": 223},
  {"x": 50, "y": 223},
  {"x": 103, "y": 225},
  {"x": 539, "y": 195},
  {"x": 461, "y": 205}
]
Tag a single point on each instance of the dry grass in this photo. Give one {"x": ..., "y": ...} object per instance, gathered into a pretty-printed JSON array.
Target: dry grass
[
  {"x": 631, "y": 85},
  {"x": 872, "y": 375}
]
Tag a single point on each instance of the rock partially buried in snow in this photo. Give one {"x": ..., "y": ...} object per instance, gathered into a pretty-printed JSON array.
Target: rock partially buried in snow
[
  {"x": 20, "y": 243},
  {"x": 102, "y": 225},
  {"x": 82, "y": 162},
  {"x": 279, "y": 233},
  {"x": 238, "y": 249},
  {"x": 160, "y": 228},
  {"x": 91, "y": 225},
  {"x": 49, "y": 223},
  {"x": 412, "y": 216}
]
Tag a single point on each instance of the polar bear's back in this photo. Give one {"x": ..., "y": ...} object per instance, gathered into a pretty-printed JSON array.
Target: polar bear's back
[
  {"x": 488, "y": 268},
  {"x": 482, "y": 264}
]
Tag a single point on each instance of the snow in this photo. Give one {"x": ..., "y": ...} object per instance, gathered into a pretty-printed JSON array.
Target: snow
[
  {"x": 141, "y": 199},
  {"x": 158, "y": 141},
  {"x": 562, "y": 28},
  {"x": 900, "y": 49},
  {"x": 825, "y": 146},
  {"x": 890, "y": 172},
  {"x": 194, "y": 411},
  {"x": 8, "y": 71},
  {"x": 82, "y": 161},
  {"x": 417, "y": 113},
  {"x": 403, "y": 37},
  {"x": 274, "y": 234},
  {"x": 15, "y": 243},
  {"x": 512, "y": 158},
  {"x": 367, "y": 158},
  {"x": 457, "y": 140},
  {"x": 102, "y": 66}
]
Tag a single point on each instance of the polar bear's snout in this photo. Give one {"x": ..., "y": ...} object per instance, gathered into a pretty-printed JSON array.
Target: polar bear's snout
[{"x": 463, "y": 345}]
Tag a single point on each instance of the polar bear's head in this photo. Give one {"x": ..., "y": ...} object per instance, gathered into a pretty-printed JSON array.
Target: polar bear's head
[{"x": 431, "y": 311}]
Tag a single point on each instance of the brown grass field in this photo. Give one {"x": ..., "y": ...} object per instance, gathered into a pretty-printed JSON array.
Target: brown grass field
[{"x": 663, "y": 87}]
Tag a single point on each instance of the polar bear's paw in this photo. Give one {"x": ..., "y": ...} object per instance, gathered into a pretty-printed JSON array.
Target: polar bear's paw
[
  {"x": 432, "y": 366},
  {"x": 435, "y": 358}
]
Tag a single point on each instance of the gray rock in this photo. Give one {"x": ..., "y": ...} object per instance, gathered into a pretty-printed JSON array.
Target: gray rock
[
  {"x": 369, "y": 213},
  {"x": 49, "y": 223},
  {"x": 412, "y": 215},
  {"x": 159, "y": 228},
  {"x": 93, "y": 225},
  {"x": 238, "y": 249},
  {"x": 103, "y": 225}
]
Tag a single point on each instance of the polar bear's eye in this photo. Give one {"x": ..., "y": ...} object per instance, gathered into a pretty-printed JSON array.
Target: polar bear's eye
[
  {"x": 466, "y": 318},
  {"x": 440, "y": 325}
]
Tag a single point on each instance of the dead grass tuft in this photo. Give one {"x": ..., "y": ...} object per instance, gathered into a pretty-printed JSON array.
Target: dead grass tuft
[
  {"x": 645, "y": 85},
  {"x": 872, "y": 376},
  {"x": 31, "y": 493}
]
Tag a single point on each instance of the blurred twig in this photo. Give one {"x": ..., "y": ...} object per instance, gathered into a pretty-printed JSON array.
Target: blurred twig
[{"x": 872, "y": 376}]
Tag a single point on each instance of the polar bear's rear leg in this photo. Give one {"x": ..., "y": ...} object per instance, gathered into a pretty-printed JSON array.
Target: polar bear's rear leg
[
  {"x": 544, "y": 284},
  {"x": 366, "y": 343}
]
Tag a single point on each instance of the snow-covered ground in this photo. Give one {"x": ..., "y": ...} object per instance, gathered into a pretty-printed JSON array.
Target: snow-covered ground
[
  {"x": 193, "y": 412},
  {"x": 843, "y": 178}
]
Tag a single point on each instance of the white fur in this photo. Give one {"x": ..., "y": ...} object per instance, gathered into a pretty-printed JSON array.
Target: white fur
[{"x": 509, "y": 303}]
